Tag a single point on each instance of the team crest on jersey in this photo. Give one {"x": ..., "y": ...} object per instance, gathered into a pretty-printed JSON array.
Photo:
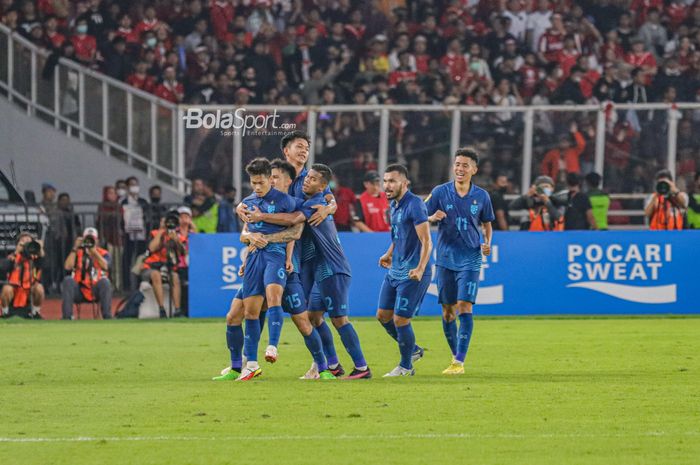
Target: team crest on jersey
[
  {"x": 474, "y": 209},
  {"x": 449, "y": 207},
  {"x": 270, "y": 208}
]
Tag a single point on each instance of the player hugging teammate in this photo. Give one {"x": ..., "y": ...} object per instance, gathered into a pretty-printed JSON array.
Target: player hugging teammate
[{"x": 295, "y": 264}]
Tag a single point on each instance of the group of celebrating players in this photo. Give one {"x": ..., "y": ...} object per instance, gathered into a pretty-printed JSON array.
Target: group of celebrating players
[{"x": 296, "y": 264}]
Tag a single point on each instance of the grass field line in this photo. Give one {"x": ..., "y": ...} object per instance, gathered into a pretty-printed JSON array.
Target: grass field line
[{"x": 351, "y": 437}]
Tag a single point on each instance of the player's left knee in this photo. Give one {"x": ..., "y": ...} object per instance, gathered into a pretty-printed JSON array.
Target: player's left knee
[
  {"x": 340, "y": 321},
  {"x": 400, "y": 321},
  {"x": 464, "y": 307},
  {"x": 384, "y": 316}
]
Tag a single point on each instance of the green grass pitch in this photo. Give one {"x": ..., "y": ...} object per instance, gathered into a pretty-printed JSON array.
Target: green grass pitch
[{"x": 537, "y": 391}]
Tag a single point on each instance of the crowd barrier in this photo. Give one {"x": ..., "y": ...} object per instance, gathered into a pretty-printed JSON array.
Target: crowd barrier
[{"x": 636, "y": 272}]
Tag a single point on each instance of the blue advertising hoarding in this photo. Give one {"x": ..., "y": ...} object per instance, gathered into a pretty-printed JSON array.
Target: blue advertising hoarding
[{"x": 640, "y": 272}]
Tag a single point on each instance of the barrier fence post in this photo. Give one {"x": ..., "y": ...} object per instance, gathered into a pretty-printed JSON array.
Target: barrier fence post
[
  {"x": 237, "y": 163},
  {"x": 10, "y": 67},
  {"x": 526, "y": 178},
  {"x": 383, "y": 160},
  {"x": 31, "y": 108},
  {"x": 672, "y": 139},
  {"x": 154, "y": 138},
  {"x": 312, "y": 118},
  {"x": 180, "y": 150},
  {"x": 105, "y": 118},
  {"x": 81, "y": 104},
  {"x": 455, "y": 133},
  {"x": 599, "y": 157}
]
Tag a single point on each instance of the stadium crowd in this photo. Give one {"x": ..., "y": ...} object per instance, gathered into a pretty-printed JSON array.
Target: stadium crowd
[{"x": 496, "y": 52}]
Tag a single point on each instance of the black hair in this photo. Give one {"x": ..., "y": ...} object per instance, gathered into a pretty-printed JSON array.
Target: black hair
[
  {"x": 132, "y": 178},
  {"x": 573, "y": 179},
  {"x": 593, "y": 179},
  {"x": 63, "y": 195},
  {"x": 325, "y": 172},
  {"x": 154, "y": 187},
  {"x": 285, "y": 166},
  {"x": 229, "y": 188},
  {"x": 259, "y": 166},
  {"x": 292, "y": 136},
  {"x": 398, "y": 168},
  {"x": 663, "y": 174},
  {"x": 469, "y": 153}
]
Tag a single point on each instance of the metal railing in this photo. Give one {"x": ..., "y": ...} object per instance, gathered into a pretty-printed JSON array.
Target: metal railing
[
  {"x": 126, "y": 123},
  {"x": 153, "y": 135}
]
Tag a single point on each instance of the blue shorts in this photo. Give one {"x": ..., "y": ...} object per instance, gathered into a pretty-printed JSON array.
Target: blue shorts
[
  {"x": 261, "y": 270},
  {"x": 239, "y": 294},
  {"x": 457, "y": 285},
  {"x": 293, "y": 298},
  {"x": 331, "y": 295},
  {"x": 404, "y": 297}
]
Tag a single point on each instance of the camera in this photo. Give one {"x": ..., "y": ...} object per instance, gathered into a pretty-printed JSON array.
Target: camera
[
  {"x": 31, "y": 248},
  {"x": 663, "y": 188},
  {"x": 88, "y": 242},
  {"x": 172, "y": 221}
]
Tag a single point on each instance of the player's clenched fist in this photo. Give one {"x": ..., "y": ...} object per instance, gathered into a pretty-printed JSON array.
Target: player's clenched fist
[
  {"x": 439, "y": 215},
  {"x": 486, "y": 249},
  {"x": 385, "y": 261},
  {"x": 416, "y": 274}
]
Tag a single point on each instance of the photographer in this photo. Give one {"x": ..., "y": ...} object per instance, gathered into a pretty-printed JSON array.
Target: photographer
[
  {"x": 167, "y": 254},
  {"x": 667, "y": 205},
  {"x": 543, "y": 214},
  {"x": 24, "y": 277},
  {"x": 88, "y": 282}
]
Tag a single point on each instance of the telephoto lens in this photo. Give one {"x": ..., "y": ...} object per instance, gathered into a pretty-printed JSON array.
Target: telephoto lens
[
  {"x": 32, "y": 248},
  {"x": 88, "y": 242},
  {"x": 663, "y": 188}
]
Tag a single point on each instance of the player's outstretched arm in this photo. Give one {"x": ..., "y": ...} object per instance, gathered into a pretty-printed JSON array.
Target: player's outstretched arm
[
  {"x": 289, "y": 235},
  {"x": 426, "y": 246}
]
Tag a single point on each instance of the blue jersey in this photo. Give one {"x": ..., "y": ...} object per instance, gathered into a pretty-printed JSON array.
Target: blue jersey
[
  {"x": 459, "y": 233},
  {"x": 272, "y": 202},
  {"x": 405, "y": 216},
  {"x": 329, "y": 257},
  {"x": 295, "y": 190}
]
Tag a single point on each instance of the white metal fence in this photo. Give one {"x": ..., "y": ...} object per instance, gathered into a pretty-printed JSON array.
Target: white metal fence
[{"x": 152, "y": 135}]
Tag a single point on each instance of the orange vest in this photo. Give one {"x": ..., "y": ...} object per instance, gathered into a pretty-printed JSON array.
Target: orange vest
[
  {"x": 89, "y": 275},
  {"x": 159, "y": 258},
  {"x": 22, "y": 277},
  {"x": 537, "y": 223},
  {"x": 666, "y": 216}
]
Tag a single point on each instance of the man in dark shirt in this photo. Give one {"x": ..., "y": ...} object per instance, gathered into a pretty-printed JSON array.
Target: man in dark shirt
[
  {"x": 579, "y": 212},
  {"x": 500, "y": 206}
]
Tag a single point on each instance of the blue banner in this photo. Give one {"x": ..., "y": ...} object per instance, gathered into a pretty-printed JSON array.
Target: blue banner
[{"x": 640, "y": 272}]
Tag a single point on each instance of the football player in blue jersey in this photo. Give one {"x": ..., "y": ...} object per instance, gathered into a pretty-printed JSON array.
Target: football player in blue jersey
[
  {"x": 293, "y": 300},
  {"x": 265, "y": 274},
  {"x": 407, "y": 259},
  {"x": 461, "y": 210}
]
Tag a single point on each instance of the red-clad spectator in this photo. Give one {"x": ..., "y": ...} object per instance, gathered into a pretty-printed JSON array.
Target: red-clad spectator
[
  {"x": 640, "y": 8},
  {"x": 85, "y": 45},
  {"x": 590, "y": 77},
  {"x": 170, "y": 89},
  {"x": 677, "y": 12},
  {"x": 222, "y": 13},
  {"x": 141, "y": 79},
  {"x": 552, "y": 41},
  {"x": 640, "y": 58},
  {"x": 371, "y": 208},
  {"x": 455, "y": 62},
  {"x": 565, "y": 158},
  {"x": 530, "y": 75},
  {"x": 611, "y": 50},
  {"x": 403, "y": 72},
  {"x": 345, "y": 199},
  {"x": 569, "y": 55},
  {"x": 55, "y": 38},
  {"x": 618, "y": 147},
  {"x": 148, "y": 23},
  {"x": 420, "y": 52},
  {"x": 126, "y": 31}
]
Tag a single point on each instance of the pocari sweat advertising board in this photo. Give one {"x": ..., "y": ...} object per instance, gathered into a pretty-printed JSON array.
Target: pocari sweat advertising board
[{"x": 640, "y": 272}]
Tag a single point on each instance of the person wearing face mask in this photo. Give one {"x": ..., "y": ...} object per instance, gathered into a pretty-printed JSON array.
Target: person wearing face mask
[
  {"x": 543, "y": 214},
  {"x": 84, "y": 44},
  {"x": 500, "y": 206},
  {"x": 134, "y": 210},
  {"x": 121, "y": 189}
]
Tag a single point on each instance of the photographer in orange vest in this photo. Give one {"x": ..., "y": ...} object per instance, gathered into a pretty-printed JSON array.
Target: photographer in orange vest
[
  {"x": 88, "y": 282},
  {"x": 542, "y": 207},
  {"x": 667, "y": 205},
  {"x": 24, "y": 277}
]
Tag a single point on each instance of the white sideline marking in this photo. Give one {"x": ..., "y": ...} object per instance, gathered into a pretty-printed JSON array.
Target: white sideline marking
[{"x": 348, "y": 437}]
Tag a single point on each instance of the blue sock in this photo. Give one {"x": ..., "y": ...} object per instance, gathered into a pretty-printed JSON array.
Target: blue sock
[
  {"x": 315, "y": 345},
  {"x": 390, "y": 328},
  {"x": 275, "y": 319},
  {"x": 407, "y": 341},
  {"x": 450, "y": 330},
  {"x": 262, "y": 319},
  {"x": 252, "y": 339},
  {"x": 466, "y": 325},
  {"x": 328, "y": 345},
  {"x": 234, "y": 341},
  {"x": 352, "y": 344}
]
